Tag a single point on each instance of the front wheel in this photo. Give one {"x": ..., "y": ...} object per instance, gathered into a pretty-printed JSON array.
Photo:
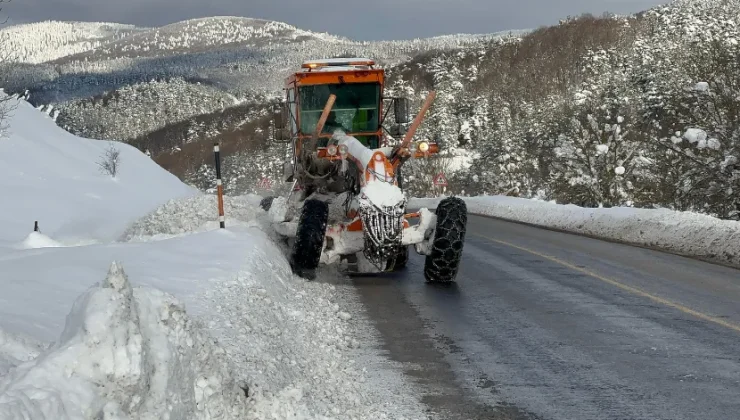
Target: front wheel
[
  {"x": 399, "y": 260},
  {"x": 442, "y": 264},
  {"x": 309, "y": 240}
]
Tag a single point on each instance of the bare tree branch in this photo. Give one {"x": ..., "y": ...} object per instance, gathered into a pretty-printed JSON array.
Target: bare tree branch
[{"x": 110, "y": 162}]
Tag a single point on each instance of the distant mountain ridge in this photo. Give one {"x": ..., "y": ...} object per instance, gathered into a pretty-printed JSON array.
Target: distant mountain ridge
[{"x": 68, "y": 41}]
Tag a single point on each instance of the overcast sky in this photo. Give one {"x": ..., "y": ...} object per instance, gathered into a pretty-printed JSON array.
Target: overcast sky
[{"x": 357, "y": 19}]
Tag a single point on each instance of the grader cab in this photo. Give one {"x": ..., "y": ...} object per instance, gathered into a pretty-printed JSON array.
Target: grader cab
[{"x": 345, "y": 204}]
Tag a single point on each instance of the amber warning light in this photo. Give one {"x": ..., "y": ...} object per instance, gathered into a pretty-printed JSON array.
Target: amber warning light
[{"x": 338, "y": 63}]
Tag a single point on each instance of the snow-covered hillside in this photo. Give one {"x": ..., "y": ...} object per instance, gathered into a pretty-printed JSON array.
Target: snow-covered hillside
[
  {"x": 51, "y": 40},
  {"x": 131, "y": 303},
  {"x": 43, "y": 166},
  {"x": 40, "y": 42}
]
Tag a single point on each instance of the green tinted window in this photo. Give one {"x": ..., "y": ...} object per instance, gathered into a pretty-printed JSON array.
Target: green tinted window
[{"x": 355, "y": 110}]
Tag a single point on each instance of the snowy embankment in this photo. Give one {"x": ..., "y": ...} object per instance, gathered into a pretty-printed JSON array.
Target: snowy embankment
[
  {"x": 685, "y": 233},
  {"x": 206, "y": 323}
]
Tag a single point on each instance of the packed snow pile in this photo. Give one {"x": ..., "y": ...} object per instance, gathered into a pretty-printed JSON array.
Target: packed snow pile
[
  {"x": 684, "y": 233},
  {"x": 16, "y": 349},
  {"x": 193, "y": 214},
  {"x": 53, "y": 177},
  {"x": 302, "y": 345},
  {"x": 124, "y": 353},
  {"x": 39, "y": 240}
]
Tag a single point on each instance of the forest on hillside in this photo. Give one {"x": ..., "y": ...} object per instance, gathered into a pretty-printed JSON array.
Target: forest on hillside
[{"x": 606, "y": 111}]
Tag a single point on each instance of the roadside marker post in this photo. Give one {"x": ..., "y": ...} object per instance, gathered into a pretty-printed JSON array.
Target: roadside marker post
[{"x": 219, "y": 186}]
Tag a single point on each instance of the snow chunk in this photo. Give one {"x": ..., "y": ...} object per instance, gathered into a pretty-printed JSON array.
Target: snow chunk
[
  {"x": 602, "y": 149},
  {"x": 695, "y": 135},
  {"x": 619, "y": 170},
  {"x": 124, "y": 353},
  {"x": 701, "y": 87},
  {"x": 383, "y": 194},
  {"x": 729, "y": 161},
  {"x": 714, "y": 144}
]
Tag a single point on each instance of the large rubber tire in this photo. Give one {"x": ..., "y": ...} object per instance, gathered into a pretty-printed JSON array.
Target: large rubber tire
[
  {"x": 442, "y": 264},
  {"x": 399, "y": 261},
  {"x": 266, "y": 203},
  {"x": 309, "y": 240}
]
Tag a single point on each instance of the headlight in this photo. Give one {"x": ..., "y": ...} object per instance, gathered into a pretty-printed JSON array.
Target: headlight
[
  {"x": 423, "y": 146},
  {"x": 331, "y": 150},
  {"x": 343, "y": 150}
]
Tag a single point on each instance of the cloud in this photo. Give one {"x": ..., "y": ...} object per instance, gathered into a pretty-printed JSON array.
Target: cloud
[{"x": 357, "y": 19}]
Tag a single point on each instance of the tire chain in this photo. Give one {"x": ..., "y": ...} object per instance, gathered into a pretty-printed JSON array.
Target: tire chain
[
  {"x": 443, "y": 262},
  {"x": 309, "y": 239}
]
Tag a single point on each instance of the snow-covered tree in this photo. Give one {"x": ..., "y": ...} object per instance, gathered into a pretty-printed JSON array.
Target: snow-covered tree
[{"x": 5, "y": 56}]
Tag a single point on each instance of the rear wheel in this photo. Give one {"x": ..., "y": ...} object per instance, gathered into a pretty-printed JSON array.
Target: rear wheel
[
  {"x": 443, "y": 262},
  {"x": 309, "y": 240}
]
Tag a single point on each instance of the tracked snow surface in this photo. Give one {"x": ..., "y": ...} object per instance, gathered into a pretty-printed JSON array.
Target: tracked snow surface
[{"x": 131, "y": 303}]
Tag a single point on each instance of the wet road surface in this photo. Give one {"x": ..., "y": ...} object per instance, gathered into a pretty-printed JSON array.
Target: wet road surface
[{"x": 547, "y": 325}]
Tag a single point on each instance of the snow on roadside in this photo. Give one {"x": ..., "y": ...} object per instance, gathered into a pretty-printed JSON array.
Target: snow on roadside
[
  {"x": 134, "y": 352},
  {"x": 124, "y": 353},
  {"x": 193, "y": 214},
  {"x": 15, "y": 349},
  {"x": 299, "y": 344},
  {"x": 684, "y": 233}
]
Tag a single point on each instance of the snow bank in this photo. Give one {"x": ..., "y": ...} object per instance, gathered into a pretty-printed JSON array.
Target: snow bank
[
  {"x": 50, "y": 176},
  {"x": 302, "y": 345},
  {"x": 193, "y": 214},
  {"x": 684, "y": 233},
  {"x": 133, "y": 352},
  {"x": 15, "y": 349},
  {"x": 39, "y": 240},
  {"x": 124, "y": 353}
]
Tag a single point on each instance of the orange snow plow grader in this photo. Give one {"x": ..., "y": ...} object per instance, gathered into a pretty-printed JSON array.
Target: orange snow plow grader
[{"x": 346, "y": 205}]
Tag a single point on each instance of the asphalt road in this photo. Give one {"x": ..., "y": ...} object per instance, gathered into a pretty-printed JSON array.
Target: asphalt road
[{"x": 547, "y": 325}]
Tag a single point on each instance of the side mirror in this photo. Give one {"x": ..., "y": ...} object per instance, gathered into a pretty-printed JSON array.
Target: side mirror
[
  {"x": 281, "y": 135},
  {"x": 288, "y": 171},
  {"x": 401, "y": 110},
  {"x": 278, "y": 115}
]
